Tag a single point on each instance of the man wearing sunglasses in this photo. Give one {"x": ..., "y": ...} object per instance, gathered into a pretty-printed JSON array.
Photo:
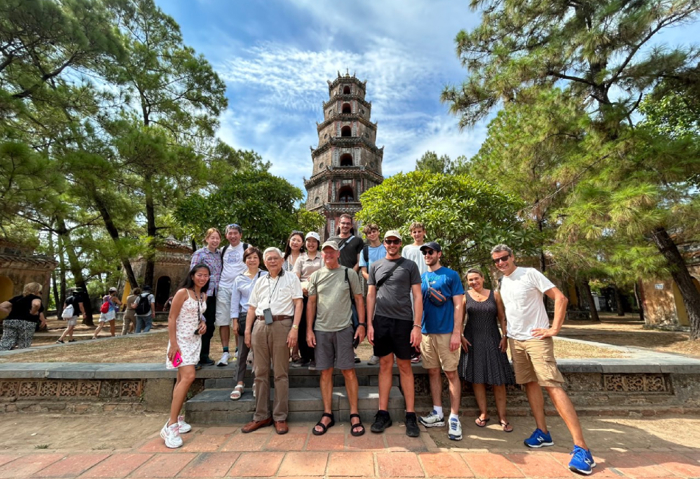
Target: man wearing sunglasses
[
  {"x": 232, "y": 266},
  {"x": 531, "y": 344},
  {"x": 393, "y": 327},
  {"x": 443, "y": 298}
]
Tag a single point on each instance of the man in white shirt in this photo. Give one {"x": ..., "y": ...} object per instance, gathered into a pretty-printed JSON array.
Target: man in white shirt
[
  {"x": 532, "y": 348},
  {"x": 271, "y": 330},
  {"x": 232, "y": 265}
]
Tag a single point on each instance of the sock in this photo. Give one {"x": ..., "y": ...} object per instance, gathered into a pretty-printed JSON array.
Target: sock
[
  {"x": 226, "y": 349},
  {"x": 454, "y": 416},
  {"x": 438, "y": 410}
]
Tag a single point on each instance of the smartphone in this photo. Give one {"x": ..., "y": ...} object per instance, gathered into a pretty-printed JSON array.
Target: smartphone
[
  {"x": 177, "y": 360},
  {"x": 268, "y": 315}
]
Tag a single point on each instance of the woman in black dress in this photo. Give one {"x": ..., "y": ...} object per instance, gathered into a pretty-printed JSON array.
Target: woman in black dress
[
  {"x": 485, "y": 360},
  {"x": 24, "y": 312}
]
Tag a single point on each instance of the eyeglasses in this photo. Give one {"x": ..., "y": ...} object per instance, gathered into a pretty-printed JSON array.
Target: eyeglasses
[
  {"x": 503, "y": 259},
  {"x": 345, "y": 224},
  {"x": 427, "y": 252},
  {"x": 394, "y": 241}
]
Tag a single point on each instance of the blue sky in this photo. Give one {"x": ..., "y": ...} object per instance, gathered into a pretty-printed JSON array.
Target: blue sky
[{"x": 275, "y": 57}]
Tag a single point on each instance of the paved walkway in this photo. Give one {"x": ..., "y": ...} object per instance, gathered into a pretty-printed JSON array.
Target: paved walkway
[{"x": 621, "y": 447}]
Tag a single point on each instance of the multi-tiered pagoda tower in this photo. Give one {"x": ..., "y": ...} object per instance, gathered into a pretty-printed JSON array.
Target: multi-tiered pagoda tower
[{"x": 346, "y": 162}]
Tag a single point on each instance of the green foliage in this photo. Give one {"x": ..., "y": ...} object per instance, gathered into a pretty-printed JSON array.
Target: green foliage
[
  {"x": 309, "y": 220},
  {"x": 432, "y": 163},
  {"x": 465, "y": 215},
  {"x": 263, "y": 204}
]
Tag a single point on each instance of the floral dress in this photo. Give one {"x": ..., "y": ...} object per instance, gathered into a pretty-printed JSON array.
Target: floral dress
[{"x": 185, "y": 326}]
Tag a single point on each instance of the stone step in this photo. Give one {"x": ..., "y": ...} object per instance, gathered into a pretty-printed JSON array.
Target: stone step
[{"x": 213, "y": 406}]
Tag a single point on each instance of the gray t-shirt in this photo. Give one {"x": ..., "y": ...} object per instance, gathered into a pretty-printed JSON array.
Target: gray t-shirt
[
  {"x": 333, "y": 307},
  {"x": 394, "y": 296}
]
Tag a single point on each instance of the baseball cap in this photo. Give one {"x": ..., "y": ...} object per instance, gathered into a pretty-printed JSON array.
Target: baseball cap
[
  {"x": 330, "y": 244},
  {"x": 392, "y": 234},
  {"x": 431, "y": 245},
  {"x": 112, "y": 289},
  {"x": 314, "y": 235}
]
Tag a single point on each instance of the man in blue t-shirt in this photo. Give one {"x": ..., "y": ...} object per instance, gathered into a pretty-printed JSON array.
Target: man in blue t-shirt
[{"x": 443, "y": 300}]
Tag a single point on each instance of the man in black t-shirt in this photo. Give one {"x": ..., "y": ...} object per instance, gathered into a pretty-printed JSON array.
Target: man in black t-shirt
[{"x": 350, "y": 245}]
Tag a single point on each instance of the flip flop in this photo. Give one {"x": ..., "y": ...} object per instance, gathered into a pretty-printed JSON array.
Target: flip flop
[
  {"x": 359, "y": 424},
  {"x": 481, "y": 422},
  {"x": 505, "y": 425},
  {"x": 323, "y": 426}
]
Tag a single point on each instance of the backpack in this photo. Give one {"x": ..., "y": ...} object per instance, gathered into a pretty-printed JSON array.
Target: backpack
[
  {"x": 365, "y": 253},
  {"x": 68, "y": 312},
  {"x": 105, "y": 307},
  {"x": 223, "y": 250},
  {"x": 143, "y": 307}
]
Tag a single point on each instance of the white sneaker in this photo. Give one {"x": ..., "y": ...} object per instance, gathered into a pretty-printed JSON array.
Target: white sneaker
[
  {"x": 373, "y": 361},
  {"x": 184, "y": 427},
  {"x": 224, "y": 360},
  {"x": 171, "y": 434},
  {"x": 235, "y": 354},
  {"x": 455, "y": 429},
  {"x": 432, "y": 420},
  {"x": 249, "y": 361}
]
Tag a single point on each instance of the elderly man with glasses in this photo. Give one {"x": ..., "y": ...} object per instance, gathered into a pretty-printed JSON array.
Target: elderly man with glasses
[
  {"x": 443, "y": 296},
  {"x": 531, "y": 345},
  {"x": 393, "y": 327},
  {"x": 272, "y": 328}
]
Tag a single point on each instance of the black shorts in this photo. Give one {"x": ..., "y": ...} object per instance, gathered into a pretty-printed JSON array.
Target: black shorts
[{"x": 392, "y": 336}]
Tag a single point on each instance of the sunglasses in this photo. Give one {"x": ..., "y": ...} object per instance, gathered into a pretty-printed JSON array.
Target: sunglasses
[
  {"x": 501, "y": 259},
  {"x": 394, "y": 241},
  {"x": 427, "y": 252}
]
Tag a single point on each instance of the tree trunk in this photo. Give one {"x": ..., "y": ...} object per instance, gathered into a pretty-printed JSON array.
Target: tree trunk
[
  {"x": 57, "y": 299},
  {"x": 114, "y": 234},
  {"x": 639, "y": 296},
  {"x": 75, "y": 268},
  {"x": 151, "y": 230},
  {"x": 618, "y": 302},
  {"x": 591, "y": 302},
  {"x": 680, "y": 274}
]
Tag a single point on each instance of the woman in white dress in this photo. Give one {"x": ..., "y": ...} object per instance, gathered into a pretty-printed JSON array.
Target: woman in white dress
[{"x": 186, "y": 324}]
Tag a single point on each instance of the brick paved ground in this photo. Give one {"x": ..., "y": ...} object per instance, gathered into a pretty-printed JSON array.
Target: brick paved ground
[{"x": 211, "y": 452}]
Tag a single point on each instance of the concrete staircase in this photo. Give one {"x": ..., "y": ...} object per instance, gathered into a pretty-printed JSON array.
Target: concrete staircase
[{"x": 213, "y": 405}]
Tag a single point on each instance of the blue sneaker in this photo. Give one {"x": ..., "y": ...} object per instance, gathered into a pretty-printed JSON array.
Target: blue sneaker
[
  {"x": 539, "y": 439},
  {"x": 582, "y": 462}
]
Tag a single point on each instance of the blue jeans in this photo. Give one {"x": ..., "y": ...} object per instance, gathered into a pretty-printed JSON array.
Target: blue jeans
[{"x": 144, "y": 323}]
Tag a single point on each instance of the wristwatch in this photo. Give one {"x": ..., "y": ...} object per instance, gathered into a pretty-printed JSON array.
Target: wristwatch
[
  {"x": 295, "y": 326},
  {"x": 364, "y": 325}
]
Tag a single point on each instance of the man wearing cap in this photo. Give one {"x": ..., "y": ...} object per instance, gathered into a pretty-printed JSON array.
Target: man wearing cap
[
  {"x": 393, "y": 327},
  {"x": 443, "y": 299},
  {"x": 330, "y": 291},
  {"x": 232, "y": 266},
  {"x": 271, "y": 329}
]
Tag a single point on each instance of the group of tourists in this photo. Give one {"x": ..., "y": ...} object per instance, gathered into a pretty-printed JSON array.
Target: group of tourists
[{"x": 309, "y": 308}]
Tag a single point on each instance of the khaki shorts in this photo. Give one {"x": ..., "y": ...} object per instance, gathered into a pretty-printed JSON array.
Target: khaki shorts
[
  {"x": 533, "y": 361},
  {"x": 435, "y": 349},
  {"x": 223, "y": 307}
]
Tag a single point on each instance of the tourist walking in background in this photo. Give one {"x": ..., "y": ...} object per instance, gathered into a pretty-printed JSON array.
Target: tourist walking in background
[
  {"x": 111, "y": 303},
  {"x": 210, "y": 256},
  {"x": 443, "y": 298},
  {"x": 145, "y": 309},
  {"x": 308, "y": 263},
  {"x": 485, "y": 360},
  {"x": 242, "y": 288},
  {"x": 272, "y": 327},
  {"x": 185, "y": 330},
  {"x": 293, "y": 249},
  {"x": 532, "y": 349},
  {"x": 232, "y": 266},
  {"x": 372, "y": 251},
  {"x": 129, "y": 325},
  {"x": 23, "y": 312},
  {"x": 71, "y": 307},
  {"x": 331, "y": 290},
  {"x": 393, "y": 327}
]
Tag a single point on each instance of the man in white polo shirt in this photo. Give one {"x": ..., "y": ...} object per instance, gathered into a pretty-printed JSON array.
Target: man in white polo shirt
[{"x": 532, "y": 348}]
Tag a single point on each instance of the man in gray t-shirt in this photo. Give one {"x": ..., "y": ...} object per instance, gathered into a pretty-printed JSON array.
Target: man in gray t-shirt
[
  {"x": 330, "y": 288},
  {"x": 393, "y": 327}
]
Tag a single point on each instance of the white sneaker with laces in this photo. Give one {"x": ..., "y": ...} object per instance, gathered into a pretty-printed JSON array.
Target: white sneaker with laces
[
  {"x": 432, "y": 420},
  {"x": 184, "y": 427},
  {"x": 171, "y": 434},
  {"x": 455, "y": 430},
  {"x": 224, "y": 360}
]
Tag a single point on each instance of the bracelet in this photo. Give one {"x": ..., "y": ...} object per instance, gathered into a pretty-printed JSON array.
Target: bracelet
[
  {"x": 417, "y": 326},
  {"x": 364, "y": 325},
  {"x": 295, "y": 326}
]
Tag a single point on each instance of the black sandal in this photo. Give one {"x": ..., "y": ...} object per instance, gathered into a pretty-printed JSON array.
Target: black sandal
[
  {"x": 353, "y": 426},
  {"x": 323, "y": 426}
]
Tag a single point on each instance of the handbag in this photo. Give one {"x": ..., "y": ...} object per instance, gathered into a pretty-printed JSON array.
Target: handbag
[
  {"x": 355, "y": 316},
  {"x": 433, "y": 295}
]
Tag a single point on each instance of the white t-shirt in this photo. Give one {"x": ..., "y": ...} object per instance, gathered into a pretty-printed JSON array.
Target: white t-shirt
[
  {"x": 522, "y": 292},
  {"x": 232, "y": 265},
  {"x": 412, "y": 252}
]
